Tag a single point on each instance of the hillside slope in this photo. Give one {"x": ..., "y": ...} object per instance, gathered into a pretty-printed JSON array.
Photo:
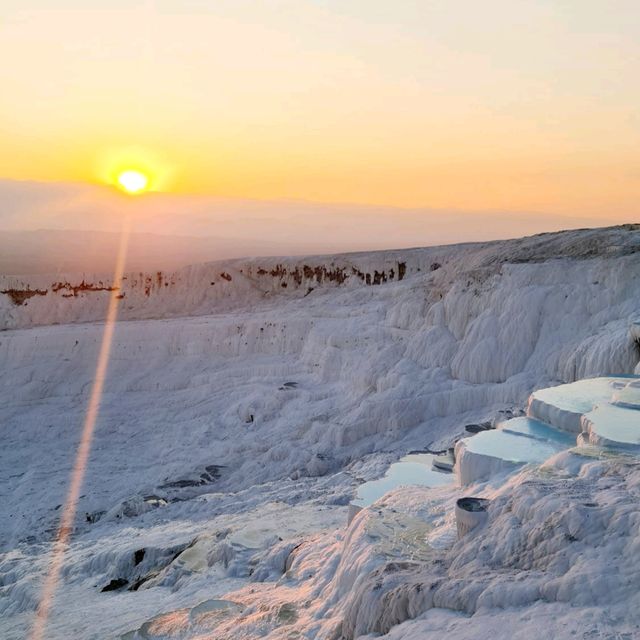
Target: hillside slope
[{"x": 247, "y": 400}]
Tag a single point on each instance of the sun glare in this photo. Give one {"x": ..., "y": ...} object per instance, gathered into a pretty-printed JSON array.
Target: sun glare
[{"x": 133, "y": 182}]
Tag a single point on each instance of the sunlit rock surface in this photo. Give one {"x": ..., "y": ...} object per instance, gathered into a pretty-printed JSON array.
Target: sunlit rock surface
[{"x": 241, "y": 415}]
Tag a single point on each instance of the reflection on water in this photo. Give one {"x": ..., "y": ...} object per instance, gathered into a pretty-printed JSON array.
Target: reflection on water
[{"x": 413, "y": 469}]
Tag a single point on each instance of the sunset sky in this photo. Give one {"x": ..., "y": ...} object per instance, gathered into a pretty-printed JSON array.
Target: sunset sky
[{"x": 518, "y": 105}]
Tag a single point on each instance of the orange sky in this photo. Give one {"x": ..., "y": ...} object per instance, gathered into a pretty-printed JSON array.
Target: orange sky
[{"x": 523, "y": 106}]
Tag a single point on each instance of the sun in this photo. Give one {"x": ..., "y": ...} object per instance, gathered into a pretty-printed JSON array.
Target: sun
[{"x": 133, "y": 182}]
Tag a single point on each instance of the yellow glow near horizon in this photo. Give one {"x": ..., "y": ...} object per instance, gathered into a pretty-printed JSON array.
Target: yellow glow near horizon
[
  {"x": 512, "y": 106},
  {"x": 134, "y": 169},
  {"x": 133, "y": 182}
]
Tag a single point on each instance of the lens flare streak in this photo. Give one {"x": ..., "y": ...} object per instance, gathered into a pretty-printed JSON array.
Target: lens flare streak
[{"x": 65, "y": 527}]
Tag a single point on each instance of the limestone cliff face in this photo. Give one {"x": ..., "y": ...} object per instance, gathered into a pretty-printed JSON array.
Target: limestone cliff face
[
  {"x": 235, "y": 284},
  {"x": 196, "y": 290},
  {"x": 562, "y": 303}
]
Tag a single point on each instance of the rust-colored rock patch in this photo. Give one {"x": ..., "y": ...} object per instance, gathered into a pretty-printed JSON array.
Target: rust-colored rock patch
[{"x": 20, "y": 296}]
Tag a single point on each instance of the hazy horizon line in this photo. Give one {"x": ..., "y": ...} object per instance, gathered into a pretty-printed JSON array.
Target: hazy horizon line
[{"x": 205, "y": 195}]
